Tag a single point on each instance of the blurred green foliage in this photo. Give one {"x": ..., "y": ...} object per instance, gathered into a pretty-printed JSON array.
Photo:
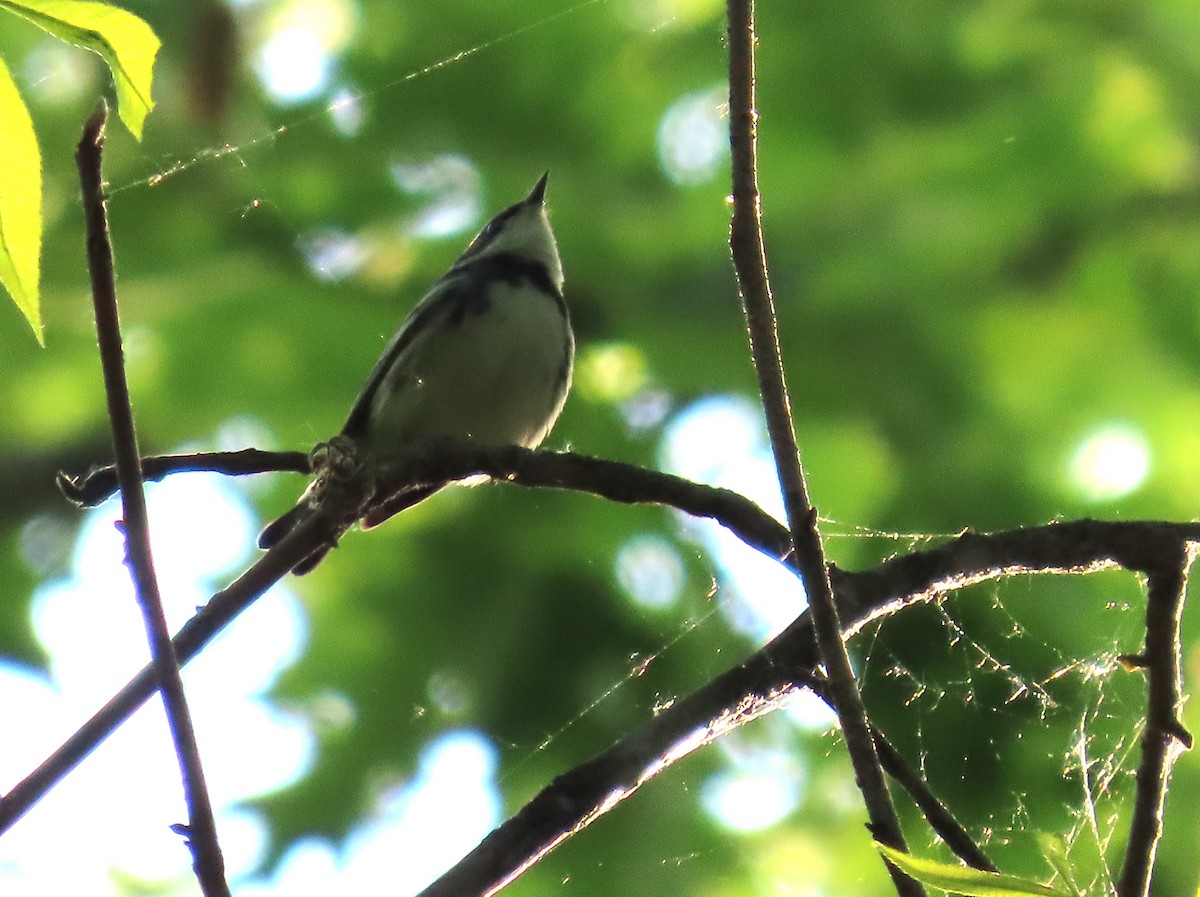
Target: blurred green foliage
[{"x": 983, "y": 222}]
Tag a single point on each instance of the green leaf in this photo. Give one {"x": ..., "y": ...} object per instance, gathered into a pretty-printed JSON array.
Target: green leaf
[
  {"x": 126, "y": 42},
  {"x": 964, "y": 880},
  {"x": 1080, "y": 861},
  {"x": 20, "y": 203}
]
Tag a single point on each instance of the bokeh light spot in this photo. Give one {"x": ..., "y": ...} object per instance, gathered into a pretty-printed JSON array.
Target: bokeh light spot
[
  {"x": 58, "y": 73},
  {"x": 332, "y": 254},
  {"x": 295, "y": 60},
  {"x": 759, "y": 789},
  {"x": 646, "y": 409},
  {"x": 449, "y": 692},
  {"x": 46, "y": 542},
  {"x": 293, "y": 65},
  {"x": 721, "y": 440},
  {"x": 692, "y": 137},
  {"x": 650, "y": 571},
  {"x": 417, "y": 832},
  {"x": 610, "y": 372},
  {"x": 1110, "y": 462},
  {"x": 346, "y": 112},
  {"x": 88, "y": 623},
  {"x": 453, "y": 188}
]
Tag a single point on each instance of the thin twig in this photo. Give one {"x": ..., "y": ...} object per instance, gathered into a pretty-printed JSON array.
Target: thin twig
[
  {"x": 1165, "y": 734},
  {"x": 749, "y": 255},
  {"x": 937, "y": 814},
  {"x": 201, "y": 829},
  {"x": 90, "y": 489}
]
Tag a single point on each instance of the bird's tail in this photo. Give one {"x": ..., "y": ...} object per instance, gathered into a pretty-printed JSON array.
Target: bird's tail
[
  {"x": 272, "y": 534},
  {"x": 275, "y": 532},
  {"x": 377, "y": 514}
]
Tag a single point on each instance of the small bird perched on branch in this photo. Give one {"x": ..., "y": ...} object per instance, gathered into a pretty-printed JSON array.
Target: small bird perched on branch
[{"x": 485, "y": 356}]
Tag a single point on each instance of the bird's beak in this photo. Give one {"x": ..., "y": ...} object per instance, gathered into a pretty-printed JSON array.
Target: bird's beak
[{"x": 537, "y": 196}]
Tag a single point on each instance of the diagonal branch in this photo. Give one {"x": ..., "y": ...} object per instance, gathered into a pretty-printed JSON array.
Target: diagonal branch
[
  {"x": 221, "y": 609},
  {"x": 937, "y": 814},
  {"x": 580, "y": 796},
  {"x": 749, "y": 257},
  {"x": 201, "y": 829}
]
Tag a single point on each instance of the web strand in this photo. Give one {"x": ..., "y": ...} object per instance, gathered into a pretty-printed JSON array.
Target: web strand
[{"x": 216, "y": 154}]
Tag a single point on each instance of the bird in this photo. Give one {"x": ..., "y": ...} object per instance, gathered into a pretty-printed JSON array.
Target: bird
[{"x": 486, "y": 356}]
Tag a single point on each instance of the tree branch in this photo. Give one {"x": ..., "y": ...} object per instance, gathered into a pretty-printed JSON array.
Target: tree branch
[
  {"x": 201, "y": 829},
  {"x": 789, "y": 661},
  {"x": 582, "y": 795},
  {"x": 432, "y": 463},
  {"x": 1165, "y": 735},
  {"x": 90, "y": 489},
  {"x": 221, "y": 609},
  {"x": 750, "y": 261},
  {"x": 937, "y": 814},
  {"x": 435, "y": 463}
]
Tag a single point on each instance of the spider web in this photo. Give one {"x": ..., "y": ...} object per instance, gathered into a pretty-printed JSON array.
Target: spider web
[
  {"x": 1014, "y": 691},
  {"x": 1029, "y": 664}
]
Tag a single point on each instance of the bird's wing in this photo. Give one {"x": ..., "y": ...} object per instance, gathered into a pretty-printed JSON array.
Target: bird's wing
[{"x": 438, "y": 302}]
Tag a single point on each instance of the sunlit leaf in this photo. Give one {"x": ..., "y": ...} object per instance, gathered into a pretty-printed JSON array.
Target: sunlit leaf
[
  {"x": 20, "y": 203},
  {"x": 1079, "y": 861},
  {"x": 125, "y": 42},
  {"x": 963, "y": 880}
]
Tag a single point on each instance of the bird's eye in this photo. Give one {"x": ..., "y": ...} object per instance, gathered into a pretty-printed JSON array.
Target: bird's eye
[{"x": 498, "y": 223}]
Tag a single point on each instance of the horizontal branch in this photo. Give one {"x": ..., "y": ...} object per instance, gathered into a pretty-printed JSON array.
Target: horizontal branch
[
  {"x": 431, "y": 464},
  {"x": 440, "y": 462},
  {"x": 90, "y": 489},
  {"x": 436, "y": 463},
  {"x": 1077, "y": 546}
]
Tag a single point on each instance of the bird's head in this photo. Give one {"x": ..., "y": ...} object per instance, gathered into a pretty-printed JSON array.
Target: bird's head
[{"x": 522, "y": 230}]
